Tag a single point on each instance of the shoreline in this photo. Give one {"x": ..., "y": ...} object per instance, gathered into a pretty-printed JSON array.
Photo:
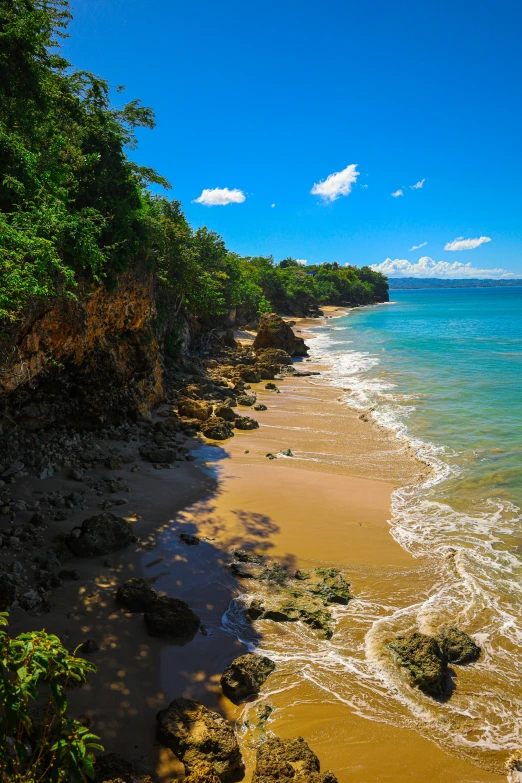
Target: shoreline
[{"x": 235, "y": 497}]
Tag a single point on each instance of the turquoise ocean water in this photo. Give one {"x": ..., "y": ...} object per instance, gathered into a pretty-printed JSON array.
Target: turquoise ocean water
[{"x": 442, "y": 369}]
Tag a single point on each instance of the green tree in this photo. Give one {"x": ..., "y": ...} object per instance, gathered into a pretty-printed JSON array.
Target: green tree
[{"x": 47, "y": 746}]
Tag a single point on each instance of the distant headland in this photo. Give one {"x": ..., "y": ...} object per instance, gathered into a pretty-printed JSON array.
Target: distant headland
[{"x": 436, "y": 282}]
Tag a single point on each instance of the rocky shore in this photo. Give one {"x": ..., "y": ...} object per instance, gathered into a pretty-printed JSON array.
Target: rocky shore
[{"x": 114, "y": 538}]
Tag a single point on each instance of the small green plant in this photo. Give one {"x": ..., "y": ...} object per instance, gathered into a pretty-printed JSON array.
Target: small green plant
[
  {"x": 39, "y": 741},
  {"x": 264, "y": 306}
]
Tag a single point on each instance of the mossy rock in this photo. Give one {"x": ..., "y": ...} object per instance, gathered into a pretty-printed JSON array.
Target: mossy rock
[
  {"x": 422, "y": 657},
  {"x": 456, "y": 646}
]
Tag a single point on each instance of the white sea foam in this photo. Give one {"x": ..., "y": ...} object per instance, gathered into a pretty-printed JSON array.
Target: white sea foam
[{"x": 475, "y": 582}]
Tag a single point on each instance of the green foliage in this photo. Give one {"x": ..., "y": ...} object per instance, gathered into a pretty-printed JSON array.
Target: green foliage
[
  {"x": 50, "y": 746},
  {"x": 74, "y": 209}
]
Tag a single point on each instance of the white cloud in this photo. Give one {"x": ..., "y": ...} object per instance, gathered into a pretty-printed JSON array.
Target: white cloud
[
  {"x": 418, "y": 247},
  {"x": 364, "y": 186},
  {"x": 466, "y": 244},
  {"x": 338, "y": 184},
  {"x": 301, "y": 261},
  {"x": 219, "y": 197},
  {"x": 418, "y": 185},
  {"x": 272, "y": 205},
  {"x": 397, "y": 193},
  {"x": 427, "y": 267}
]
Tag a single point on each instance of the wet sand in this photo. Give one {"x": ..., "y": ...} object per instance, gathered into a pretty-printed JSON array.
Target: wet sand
[{"x": 329, "y": 504}]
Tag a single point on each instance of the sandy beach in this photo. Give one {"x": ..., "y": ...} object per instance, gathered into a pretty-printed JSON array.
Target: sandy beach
[{"x": 328, "y": 504}]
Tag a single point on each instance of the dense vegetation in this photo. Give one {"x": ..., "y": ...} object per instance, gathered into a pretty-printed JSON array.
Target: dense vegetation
[{"x": 76, "y": 211}]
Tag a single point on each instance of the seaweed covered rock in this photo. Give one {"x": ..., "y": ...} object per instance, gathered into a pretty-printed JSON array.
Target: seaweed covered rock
[
  {"x": 217, "y": 429},
  {"x": 135, "y": 595},
  {"x": 330, "y": 585},
  {"x": 273, "y": 332},
  {"x": 195, "y": 409},
  {"x": 246, "y": 423},
  {"x": 245, "y": 676},
  {"x": 422, "y": 657},
  {"x": 197, "y": 735},
  {"x": 100, "y": 535},
  {"x": 456, "y": 646},
  {"x": 288, "y": 608},
  {"x": 171, "y": 618},
  {"x": 288, "y": 761}
]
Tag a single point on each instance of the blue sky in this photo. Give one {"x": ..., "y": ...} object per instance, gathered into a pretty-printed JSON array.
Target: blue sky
[{"x": 271, "y": 97}]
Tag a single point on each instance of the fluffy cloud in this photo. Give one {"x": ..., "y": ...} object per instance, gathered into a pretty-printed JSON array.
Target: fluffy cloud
[
  {"x": 219, "y": 197},
  {"x": 427, "y": 267},
  {"x": 418, "y": 185},
  {"x": 397, "y": 193},
  {"x": 466, "y": 244},
  {"x": 272, "y": 205},
  {"x": 418, "y": 247},
  {"x": 338, "y": 184},
  {"x": 301, "y": 261}
]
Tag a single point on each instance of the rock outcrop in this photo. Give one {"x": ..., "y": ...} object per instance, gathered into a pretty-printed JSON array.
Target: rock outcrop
[
  {"x": 246, "y": 423},
  {"x": 197, "y": 735},
  {"x": 195, "y": 409},
  {"x": 100, "y": 535},
  {"x": 288, "y": 761},
  {"x": 421, "y": 656},
  {"x": 292, "y": 596},
  {"x": 216, "y": 429},
  {"x": 67, "y": 349},
  {"x": 426, "y": 657},
  {"x": 245, "y": 676},
  {"x": 171, "y": 618},
  {"x": 136, "y": 595},
  {"x": 113, "y": 768},
  {"x": 456, "y": 646},
  {"x": 274, "y": 332}
]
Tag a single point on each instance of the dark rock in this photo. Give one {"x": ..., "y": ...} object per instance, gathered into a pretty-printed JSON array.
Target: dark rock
[
  {"x": 245, "y": 676},
  {"x": 69, "y": 573},
  {"x": 286, "y": 453},
  {"x": 171, "y": 618},
  {"x": 7, "y": 591},
  {"x": 246, "y": 423},
  {"x": 100, "y": 535},
  {"x": 246, "y": 571},
  {"x": 271, "y": 387},
  {"x": 113, "y": 768},
  {"x": 135, "y": 595},
  {"x": 300, "y": 607},
  {"x": 249, "y": 375},
  {"x": 270, "y": 455},
  {"x": 288, "y": 761},
  {"x": 456, "y": 646},
  {"x": 228, "y": 339},
  {"x": 216, "y": 429},
  {"x": 89, "y": 646},
  {"x": 195, "y": 409},
  {"x": 225, "y": 412},
  {"x": 114, "y": 463},
  {"x": 246, "y": 399},
  {"x": 189, "y": 539},
  {"x": 273, "y": 332},
  {"x": 422, "y": 657},
  {"x": 37, "y": 519},
  {"x": 158, "y": 455},
  {"x": 196, "y": 734},
  {"x": 259, "y": 406}
]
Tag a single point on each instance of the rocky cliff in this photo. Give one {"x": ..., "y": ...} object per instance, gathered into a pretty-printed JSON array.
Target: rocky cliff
[{"x": 85, "y": 361}]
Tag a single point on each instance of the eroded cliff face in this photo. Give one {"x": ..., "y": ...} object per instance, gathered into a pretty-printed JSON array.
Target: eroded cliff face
[{"x": 87, "y": 361}]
